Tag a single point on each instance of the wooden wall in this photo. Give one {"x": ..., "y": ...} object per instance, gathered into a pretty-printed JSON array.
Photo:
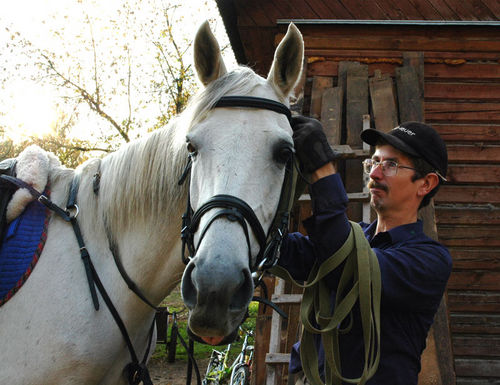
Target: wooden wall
[{"x": 462, "y": 101}]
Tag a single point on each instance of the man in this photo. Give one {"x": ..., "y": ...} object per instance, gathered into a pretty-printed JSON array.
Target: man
[{"x": 406, "y": 170}]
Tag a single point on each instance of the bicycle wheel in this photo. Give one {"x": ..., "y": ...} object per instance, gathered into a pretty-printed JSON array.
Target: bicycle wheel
[
  {"x": 212, "y": 373},
  {"x": 240, "y": 375}
]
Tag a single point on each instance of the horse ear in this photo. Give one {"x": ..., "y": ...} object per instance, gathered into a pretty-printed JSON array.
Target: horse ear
[
  {"x": 207, "y": 56},
  {"x": 287, "y": 63}
]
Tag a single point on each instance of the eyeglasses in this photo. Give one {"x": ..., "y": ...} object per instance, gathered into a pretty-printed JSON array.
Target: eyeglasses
[{"x": 389, "y": 167}]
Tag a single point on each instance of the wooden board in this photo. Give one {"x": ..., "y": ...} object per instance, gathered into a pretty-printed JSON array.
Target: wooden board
[
  {"x": 467, "y": 214},
  {"x": 475, "y": 280},
  {"x": 383, "y": 101},
  {"x": 464, "y": 323},
  {"x": 468, "y": 194},
  {"x": 439, "y": 91},
  {"x": 473, "y": 174},
  {"x": 411, "y": 106},
  {"x": 462, "y": 112},
  {"x": 319, "y": 85},
  {"x": 470, "y": 236},
  {"x": 473, "y": 301},
  {"x": 473, "y": 153},
  {"x": 469, "y": 258},
  {"x": 468, "y": 132},
  {"x": 356, "y": 102},
  {"x": 478, "y": 367},
  {"x": 331, "y": 114}
]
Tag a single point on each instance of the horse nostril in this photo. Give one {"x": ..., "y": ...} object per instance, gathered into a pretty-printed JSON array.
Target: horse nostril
[
  {"x": 188, "y": 290},
  {"x": 243, "y": 294}
]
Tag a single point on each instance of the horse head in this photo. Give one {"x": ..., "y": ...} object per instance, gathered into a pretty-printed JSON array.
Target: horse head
[{"x": 239, "y": 154}]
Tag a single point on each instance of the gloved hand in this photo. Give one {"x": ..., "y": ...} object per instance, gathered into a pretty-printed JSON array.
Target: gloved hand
[{"x": 311, "y": 144}]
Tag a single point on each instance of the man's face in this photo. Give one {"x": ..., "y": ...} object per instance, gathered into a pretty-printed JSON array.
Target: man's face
[{"x": 392, "y": 193}]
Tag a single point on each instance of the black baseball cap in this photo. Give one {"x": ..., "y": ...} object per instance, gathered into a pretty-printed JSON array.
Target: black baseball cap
[{"x": 414, "y": 138}]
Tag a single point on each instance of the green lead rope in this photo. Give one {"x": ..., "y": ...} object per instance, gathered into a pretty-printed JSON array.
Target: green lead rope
[{"x": 359, "y": 281}]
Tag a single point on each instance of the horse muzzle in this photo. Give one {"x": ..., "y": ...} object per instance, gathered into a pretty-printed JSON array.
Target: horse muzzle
[{"x": 217, "y": 292}]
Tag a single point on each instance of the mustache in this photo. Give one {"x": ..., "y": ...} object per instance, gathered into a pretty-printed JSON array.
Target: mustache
[{"x": 373, "y": 184}]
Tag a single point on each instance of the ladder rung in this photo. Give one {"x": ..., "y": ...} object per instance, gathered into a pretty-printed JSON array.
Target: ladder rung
[
  {"x": 277, "y": 358},
  {"x": 287, "y": 298},
  {"x": 353, "y": 197},
  {"x": 347, "y": 151}
]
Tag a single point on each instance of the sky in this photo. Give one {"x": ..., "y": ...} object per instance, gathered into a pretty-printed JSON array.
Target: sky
[{"x": 29, "y": 107}]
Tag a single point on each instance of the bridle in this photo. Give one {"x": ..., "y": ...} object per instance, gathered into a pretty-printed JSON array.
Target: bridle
[{"x": 237, "y": 210}]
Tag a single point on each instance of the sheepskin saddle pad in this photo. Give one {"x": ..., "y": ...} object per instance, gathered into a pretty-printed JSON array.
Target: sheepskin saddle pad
[{"x": 27, "y": 222}]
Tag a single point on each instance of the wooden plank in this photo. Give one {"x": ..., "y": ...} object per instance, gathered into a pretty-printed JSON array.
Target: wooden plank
[
  {"x": 331, "y": 114},
  {"x": 320, "y": 84},
  {"x": 478, "y": 71},
  {"x": 262, "y": 335},
  {"x": 415, "y": 60},
  {"x": 434, "y": 70},
  {"x": 477, "y": 367},
  {"x": 425, "y": 43},
  {"x": 468, "y": 214},
  {"x": 371, "y": 54},
  {"x": 277, "y": 358},
  {"x": 383, "y": 102},
  {"x": 410, "y": 98},
  {"x": 465, "y": 323},
  {"x": 474, "y": 280},
  {"x": 468, "y": 132},
  {"x": 478, "y": 92},
  {"x": 468, "y": 194},
  {"x": 477, "y": 381},
  {"x": 356, "y": 102},
  {"x": 287, "y": 298},
  {"x": 459, "y": 112},
  {"x": 356, "y": 106},
  {"x": 473, "y": 174},
  {"x": 470, "y": 236},
  {"x": 475, "y": 258},
  {"x": 474, "y": 301},
  {"x": 473, "y": 153},
  {"x": 486, "y": 346}
]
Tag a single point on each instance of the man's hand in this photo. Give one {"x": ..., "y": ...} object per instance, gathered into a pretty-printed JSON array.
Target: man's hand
[{"x": 311, "y": 144}]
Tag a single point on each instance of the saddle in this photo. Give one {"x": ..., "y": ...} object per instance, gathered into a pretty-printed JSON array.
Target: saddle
[
  {"x": 23, "y": 220},
  {"x": 7, "y": 167}
]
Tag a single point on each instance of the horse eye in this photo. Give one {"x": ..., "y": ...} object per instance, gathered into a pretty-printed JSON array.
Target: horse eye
[
  {"x": 284, "y": 154},
  {"x": 191, "y": 149}
]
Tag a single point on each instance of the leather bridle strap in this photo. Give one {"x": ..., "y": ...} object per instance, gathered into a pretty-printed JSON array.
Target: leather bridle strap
[{"x": 254, "y": 102}]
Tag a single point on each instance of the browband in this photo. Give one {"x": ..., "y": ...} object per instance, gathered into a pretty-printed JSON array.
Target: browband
[{"x": 254, "y": 102}]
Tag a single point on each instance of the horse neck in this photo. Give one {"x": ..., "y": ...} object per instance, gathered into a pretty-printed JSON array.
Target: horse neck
[{"x": 141, "y": 206}]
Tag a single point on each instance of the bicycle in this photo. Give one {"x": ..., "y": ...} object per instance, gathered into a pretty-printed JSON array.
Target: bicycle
[{"x": 239, "y": 371}]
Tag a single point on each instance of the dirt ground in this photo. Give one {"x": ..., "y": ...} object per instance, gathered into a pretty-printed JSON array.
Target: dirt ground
[{"x": 164, "y": 373}]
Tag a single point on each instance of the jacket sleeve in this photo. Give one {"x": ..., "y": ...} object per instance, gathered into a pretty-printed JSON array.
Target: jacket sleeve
[
  {"x": 328, "y": 228},
  {"x": 414, "y": 276}
]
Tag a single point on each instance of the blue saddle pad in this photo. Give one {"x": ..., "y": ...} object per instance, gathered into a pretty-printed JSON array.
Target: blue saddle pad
[{"x": 21, "y": 248}]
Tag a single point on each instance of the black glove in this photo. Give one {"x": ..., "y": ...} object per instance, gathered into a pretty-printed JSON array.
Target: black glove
[{"x": 311, "y": 144}]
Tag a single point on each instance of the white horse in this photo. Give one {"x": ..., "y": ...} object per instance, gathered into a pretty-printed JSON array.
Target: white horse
[{"x": 50, "y": 332}]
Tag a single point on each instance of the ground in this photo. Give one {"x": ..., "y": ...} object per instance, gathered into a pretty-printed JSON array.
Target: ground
[{"x": 164, "y": 373}]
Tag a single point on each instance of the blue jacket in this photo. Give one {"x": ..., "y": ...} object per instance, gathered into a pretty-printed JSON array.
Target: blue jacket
[{"x": 414, "y": 269}]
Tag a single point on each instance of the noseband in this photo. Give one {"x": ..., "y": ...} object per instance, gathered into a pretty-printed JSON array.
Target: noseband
[{"x": 236, "y": 210}]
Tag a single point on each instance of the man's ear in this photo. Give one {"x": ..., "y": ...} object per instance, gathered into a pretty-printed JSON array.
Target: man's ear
[{"x": 428, "y": 183}]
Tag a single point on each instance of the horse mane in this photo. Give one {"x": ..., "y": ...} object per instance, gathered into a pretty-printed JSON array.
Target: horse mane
[{"x": 140, "y": 179}]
